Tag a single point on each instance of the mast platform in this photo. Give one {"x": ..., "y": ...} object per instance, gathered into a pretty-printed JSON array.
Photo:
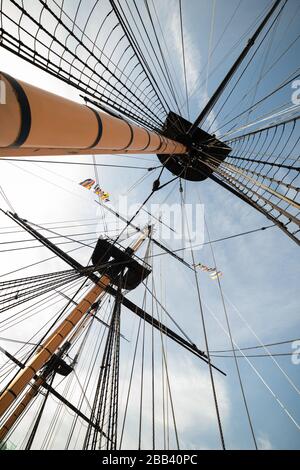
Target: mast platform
[{"x": 202, "y": 146}]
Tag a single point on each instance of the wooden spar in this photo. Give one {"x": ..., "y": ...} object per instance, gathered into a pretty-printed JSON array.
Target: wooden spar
[
  {"x": 47, "y": 349},
  {"x": 37, "y": 383},
  {"x": 34, "y": 122},
  {"x": 26, "y": 400}
]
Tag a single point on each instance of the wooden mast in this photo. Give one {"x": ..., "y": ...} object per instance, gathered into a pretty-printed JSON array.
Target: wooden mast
[
  {"x": 34, "y": 122},
  {"x": 46, "y": 351}
]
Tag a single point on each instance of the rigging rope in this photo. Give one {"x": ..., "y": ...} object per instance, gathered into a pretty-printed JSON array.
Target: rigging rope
[
  {"x": 205, "y": 332},
  {"x": 257, "y": 346},
  {"x": 236, "y": 346},
  {"x": 184, "y": 60},
  {"x": 231, "y": 342}
]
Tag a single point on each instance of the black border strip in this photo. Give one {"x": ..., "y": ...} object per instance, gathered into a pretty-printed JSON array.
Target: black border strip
[
  {"x": 161, "y": 142},
  {"x": 148, "y": 143},
  {"x": 166, "y": 145},
  {"x": 131, "y": 137},
  {"x": 24, "y": 109},
  {"x": 100, "y": 129}
]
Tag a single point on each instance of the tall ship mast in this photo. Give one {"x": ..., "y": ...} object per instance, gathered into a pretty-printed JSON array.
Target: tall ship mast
[{"x": 149, "y": 224}]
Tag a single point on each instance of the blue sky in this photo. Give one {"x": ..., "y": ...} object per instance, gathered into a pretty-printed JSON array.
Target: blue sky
[{"x": 261, "y": 270}]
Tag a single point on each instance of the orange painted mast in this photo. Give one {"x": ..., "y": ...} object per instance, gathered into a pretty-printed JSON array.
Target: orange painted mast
[
  {"x": 39, "y": 380},
  {"x": 48, "y": 348},
  {"x": 34, "y": 122}
]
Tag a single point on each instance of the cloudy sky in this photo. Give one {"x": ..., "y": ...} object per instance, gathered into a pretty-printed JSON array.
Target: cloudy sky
[{"x": 261, "y": 270}]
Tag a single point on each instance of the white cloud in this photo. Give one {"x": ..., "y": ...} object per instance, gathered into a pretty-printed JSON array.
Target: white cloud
[
  {"x": 198, "y": 96},
  {"x": 194, "y": 407},
  {"x": 264, "y": 442}
]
